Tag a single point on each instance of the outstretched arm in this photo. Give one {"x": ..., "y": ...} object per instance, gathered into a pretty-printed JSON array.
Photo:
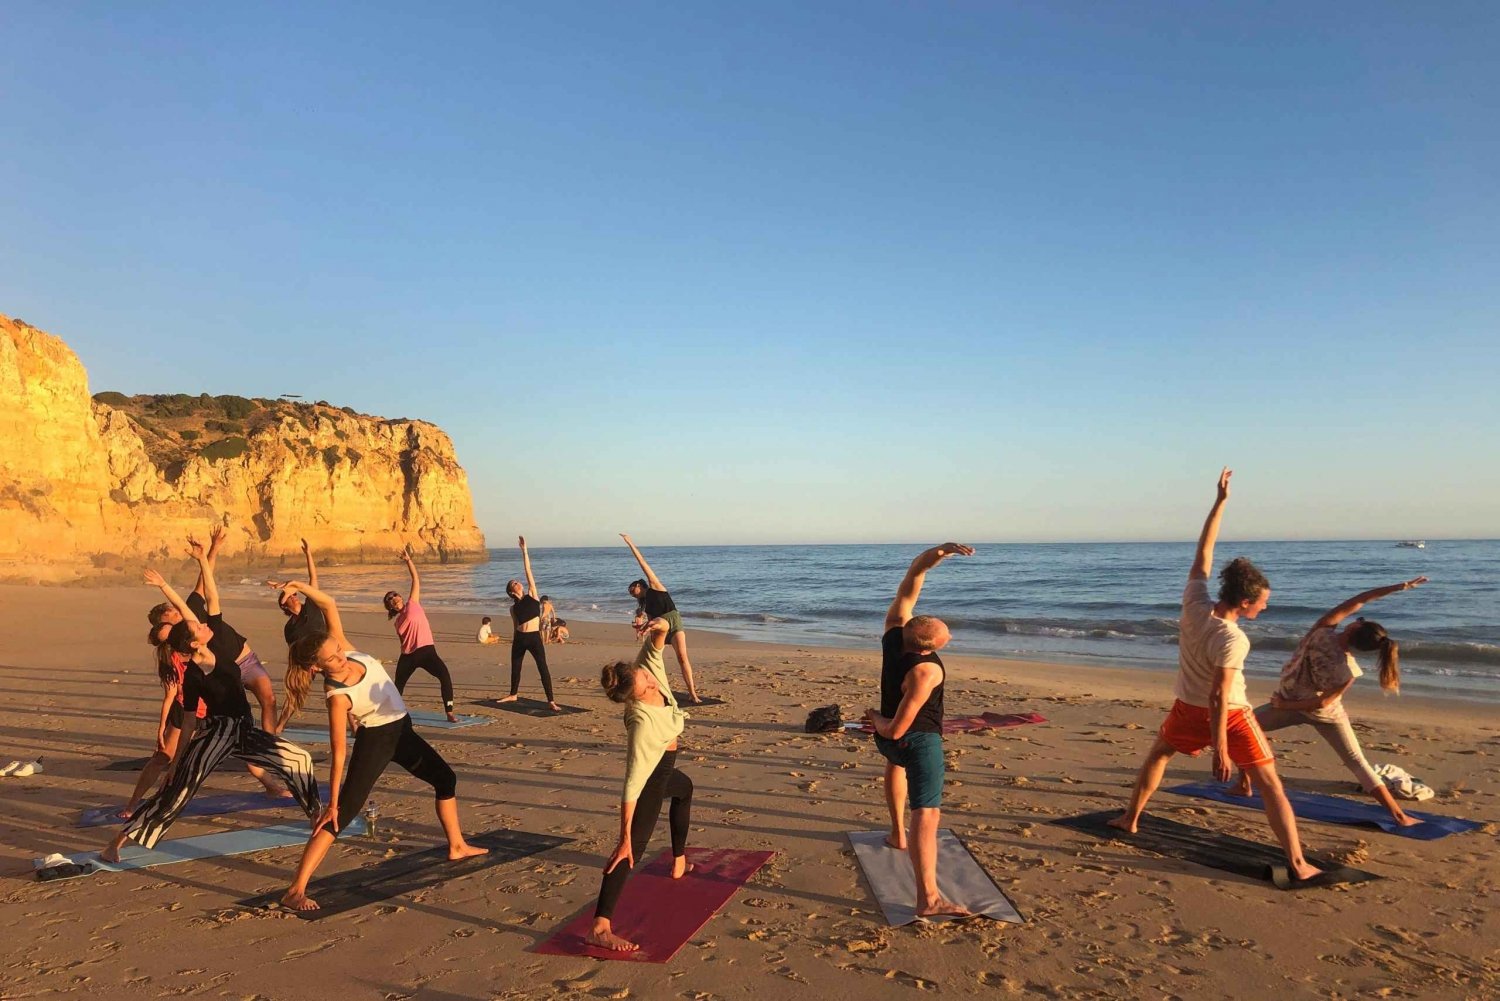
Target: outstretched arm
[
  {"x": 206, "y": 574},
  {"x": 325, "y": 605},
  {"x": 526, "y": 562},
  {"x": 916, "y": 574},
  {"x": 657, "y": 630},
  {"x": 653, "y": 581},
  {"x": 1336, "y": 615},
  {"x": 1203, "y": 560},
  {"x": 157, "y": 580},
  {"x": 415, "y": 595},
  {"x": 312, "y": 571},
  {"x": 215, "y": 540}
]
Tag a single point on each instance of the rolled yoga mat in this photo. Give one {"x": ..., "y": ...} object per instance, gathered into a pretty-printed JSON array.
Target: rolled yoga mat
[
  {"x": 205, "y": 846},
  {"x": 201, "y": 806},
  {"x": 1224, "y": 852},
  {"x": 1338, "y": 810},
  {"x": 529, "y": 707},
  {"x": 658, "y": 913},
  {"x": 961, "y": 879},
  {"x": 410, "y": 873}
]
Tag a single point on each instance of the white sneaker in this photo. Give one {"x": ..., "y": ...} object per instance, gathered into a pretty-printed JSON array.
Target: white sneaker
[
  {"x": 12, "y": 766},
  {"x": 30, "y": 768}
]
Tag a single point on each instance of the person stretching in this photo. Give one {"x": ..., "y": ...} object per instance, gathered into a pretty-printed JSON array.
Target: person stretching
[
  {"x": 656, "y": 603},
  {"x": 909, "y": 727},
  {"x": 526, "y": 634},
  {"x": 1314, "y": 681},
  {"x": 653, "y": 722},
  {"x": 212, "y": 676},
  {"x": 1211, "y": 709},
  {"x": 169, "y": 668},
  {"x": 355, "y": 685},
  {"x": 302, "y": 617},
  {"x": 417, "y": 648}
]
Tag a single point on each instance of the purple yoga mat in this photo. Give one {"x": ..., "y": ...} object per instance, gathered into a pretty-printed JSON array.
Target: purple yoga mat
[{"x": 660, "y": 913}]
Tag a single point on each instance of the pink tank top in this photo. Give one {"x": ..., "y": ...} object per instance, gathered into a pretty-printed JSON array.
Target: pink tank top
[{"x": 412, "y": 628}]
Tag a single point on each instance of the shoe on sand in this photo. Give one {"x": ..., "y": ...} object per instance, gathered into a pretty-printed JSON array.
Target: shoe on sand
[
  {"x": 30, "y": 768},
  {"x": 12, "y": 766}
]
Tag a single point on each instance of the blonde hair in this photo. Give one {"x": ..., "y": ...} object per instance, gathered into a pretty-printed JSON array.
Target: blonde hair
[
  {"x": 300, "y": 658},
  {"x": 618, "y": 680}
]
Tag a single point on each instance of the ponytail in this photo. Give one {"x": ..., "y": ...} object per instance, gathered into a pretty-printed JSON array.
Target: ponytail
[
  {"x": 166, "y": 667},
  {"x": 1371, "y": 636},
  {"x": 618, "y": 680},
  {"x": 300, "y": 658}
]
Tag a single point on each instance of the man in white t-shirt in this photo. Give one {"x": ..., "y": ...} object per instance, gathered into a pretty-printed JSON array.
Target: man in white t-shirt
[{"x": 1211, "y": 708}]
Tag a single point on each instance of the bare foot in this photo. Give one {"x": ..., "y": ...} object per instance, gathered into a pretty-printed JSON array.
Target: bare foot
[
  {"x": 1124, "y": 824},
  {"x": 1304, "y": 871},
  {"x": 452, "y": 718},
  {"x": 898, "y": 843},
  {"x": 1406, "y": 821},
  {"x": 554, "y": 707},
  {"x": 465, "y": 850},
  {"x": 125, "y": 813},
  {"x": 278, "y": 793},
  {"x": 111, "y": 853},
  {"x": 298, "y": 902},
  {"x": 694, "y": 699},
  {"x": 941, "y": 908},
  {"x": 1240, "y": 788},
  {"x": 509, "y": 698},
  {"x": 607, "y": 939},
  {"x": 681, "y": 866}
]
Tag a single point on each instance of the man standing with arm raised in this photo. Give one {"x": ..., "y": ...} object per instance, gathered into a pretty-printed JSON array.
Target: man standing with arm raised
[{"x": 909, "y": 727}]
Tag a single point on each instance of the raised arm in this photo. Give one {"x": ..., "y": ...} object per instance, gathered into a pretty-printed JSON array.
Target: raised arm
[
  {"x": 416, "y": 582},
  {"x": 916, "y": 574},
  {"x": 1203, "y": 560},
  {"x": 652, "y": 581},
  {"x": 312, "y": 571},
  {"x": 1334, "y": 616},
  {"x": 325, "y": 604},
  {"x": 157, "y": 580},
  {"x": 526, "y": 562},
  {"x": 206, "y": 574}
]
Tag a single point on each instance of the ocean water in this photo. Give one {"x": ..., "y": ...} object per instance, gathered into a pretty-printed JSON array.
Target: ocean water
[{"x": 1081, "y": 603}]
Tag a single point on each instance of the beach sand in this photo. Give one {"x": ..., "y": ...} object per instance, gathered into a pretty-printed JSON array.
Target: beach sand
[{"x": 1104, "y": 920}]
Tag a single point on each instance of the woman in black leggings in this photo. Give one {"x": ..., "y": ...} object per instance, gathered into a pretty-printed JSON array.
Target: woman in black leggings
[
  {"x": 652, "y": 725},
  {"x": 526, "y": 632},
  {"x": 355, "y": 685},
  {"x": 415, "y": 633}
]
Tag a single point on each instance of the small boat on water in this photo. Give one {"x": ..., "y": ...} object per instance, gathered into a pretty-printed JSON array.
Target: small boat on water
[{"x": 1412, "y": 544}]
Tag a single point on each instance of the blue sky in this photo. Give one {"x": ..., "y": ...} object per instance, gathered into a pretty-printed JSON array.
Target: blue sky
[{"x": 800, "y": 272}]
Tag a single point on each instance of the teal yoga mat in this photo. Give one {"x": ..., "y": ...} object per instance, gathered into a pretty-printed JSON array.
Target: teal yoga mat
[{"x": 205, "y": 846}]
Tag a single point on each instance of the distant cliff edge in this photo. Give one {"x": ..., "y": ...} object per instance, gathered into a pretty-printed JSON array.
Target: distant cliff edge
[{"x": 86, "y": 483}]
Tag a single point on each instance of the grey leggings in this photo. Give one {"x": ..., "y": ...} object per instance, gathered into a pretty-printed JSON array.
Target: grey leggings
[{"x": 1335, "y": 729}]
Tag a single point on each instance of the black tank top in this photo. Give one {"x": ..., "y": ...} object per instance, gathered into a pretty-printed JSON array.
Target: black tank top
[
  {"x": 657, "y": 603},
  {"x": 895, "y": 665},
  {"x": 525, "y": 609}
]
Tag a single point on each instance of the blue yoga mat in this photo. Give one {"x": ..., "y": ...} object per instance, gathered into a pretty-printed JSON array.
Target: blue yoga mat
[
  {"x": 420, "y": 717},
  {"x": 256, "y": 839},
  {"x": 202, "y": 806},
  {"x": 1338, "y": 810}
]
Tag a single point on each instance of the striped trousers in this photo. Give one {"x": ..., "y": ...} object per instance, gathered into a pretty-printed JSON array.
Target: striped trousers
[{"x": 224, "y": 737}]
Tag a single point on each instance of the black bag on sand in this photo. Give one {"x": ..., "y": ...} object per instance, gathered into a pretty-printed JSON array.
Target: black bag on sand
[
  {"x": 65, "y": 870},
  {"x": 826, "y": 719}
]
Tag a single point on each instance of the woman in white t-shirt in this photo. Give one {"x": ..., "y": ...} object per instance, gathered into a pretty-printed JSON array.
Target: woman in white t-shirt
[
  {"x": 1314, "y": 681},
  {"x": 356, "y": 686}
]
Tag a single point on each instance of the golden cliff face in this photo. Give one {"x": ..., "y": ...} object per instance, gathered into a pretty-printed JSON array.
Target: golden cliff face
[{"x": 84, "y": 482}]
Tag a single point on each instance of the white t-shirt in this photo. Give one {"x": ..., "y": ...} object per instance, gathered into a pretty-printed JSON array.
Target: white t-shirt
[
  {"x": 373, "y": 699},
  {"x": 484, "y": 633},
  {"x": 1206, "y": 647}
]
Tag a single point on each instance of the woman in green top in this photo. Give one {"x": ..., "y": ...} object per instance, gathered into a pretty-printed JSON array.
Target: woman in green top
[{"x": 653, "y": 723}]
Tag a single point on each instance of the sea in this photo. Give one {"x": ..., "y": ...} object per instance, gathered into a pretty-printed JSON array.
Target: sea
[{"x": 1110, "y": 604}]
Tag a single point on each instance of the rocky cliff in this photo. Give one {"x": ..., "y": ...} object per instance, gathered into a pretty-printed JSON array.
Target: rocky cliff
[{"x": 88, "y": 482}]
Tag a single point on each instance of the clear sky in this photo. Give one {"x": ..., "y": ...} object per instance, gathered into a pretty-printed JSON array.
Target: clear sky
[{"x": 788, "y": 272}]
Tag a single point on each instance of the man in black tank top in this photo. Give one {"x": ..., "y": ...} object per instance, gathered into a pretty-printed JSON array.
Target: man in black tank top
[{"x": 909, "y": 727}]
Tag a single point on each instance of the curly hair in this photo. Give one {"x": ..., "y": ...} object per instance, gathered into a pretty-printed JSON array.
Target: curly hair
[{"x": 1241, "y": 581}]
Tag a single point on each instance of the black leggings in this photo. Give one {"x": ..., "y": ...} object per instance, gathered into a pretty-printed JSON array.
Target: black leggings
[
  {"x": 426, "y": 658},
  {"x": 377, "y": 746},
  {"x": 521, "y": 644},
  {"x": 665, "y": 782}
]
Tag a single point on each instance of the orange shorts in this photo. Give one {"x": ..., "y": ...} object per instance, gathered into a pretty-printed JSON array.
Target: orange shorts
[{"x": 1189, "y": 729}]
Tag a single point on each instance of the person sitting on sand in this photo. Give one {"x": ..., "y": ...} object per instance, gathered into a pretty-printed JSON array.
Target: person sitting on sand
[
  {"x": 302, "y": 617},
  {"x": 228, "y": 730},
  {"x": 559, "y": 631},
  {"x": 486, "y": 635},
  {"x": 418, "y": 650},
  {"x": 909, "y": 727},
  {"x": 526, "y": 632},
  {"x": 1211, "y": 709},
  {"x": 1314, "y": 681},
  {"x": 653, "y": 722},
  {"x": 656, "y": 603},
  {"x": 356, "y": 686}
]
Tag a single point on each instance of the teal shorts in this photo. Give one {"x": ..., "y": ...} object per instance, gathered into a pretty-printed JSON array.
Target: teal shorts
[
  {"x": 921, "y": 754},
  {"x": 674, "y": 623}
]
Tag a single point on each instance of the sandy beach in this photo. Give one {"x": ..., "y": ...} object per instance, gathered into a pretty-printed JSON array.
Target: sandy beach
[{"x": 1103, "y": 920}]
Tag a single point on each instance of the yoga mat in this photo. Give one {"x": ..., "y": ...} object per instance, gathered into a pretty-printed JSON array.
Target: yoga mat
[
  {"x": 969, "y": 724},
  {"x": 687, "y": 703},
  {"x": 1207, "y": 848},
  {"x": 529, "y": 707},
  {"x": 659, "y": 913},
  {"x": 1338, "y": 810},
  {"x": 419, "y": 717},
  {"x": 961, "y": 879},
  {"x": 305, "y": 734},
  {"x": 202, "y": 806},
  {"x": 205, "y": 846},
  {"x": 410, "y": 873}
]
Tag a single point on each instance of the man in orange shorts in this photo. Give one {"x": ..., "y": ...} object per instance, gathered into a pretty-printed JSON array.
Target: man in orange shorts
[{"x": 1211, "y": 708}]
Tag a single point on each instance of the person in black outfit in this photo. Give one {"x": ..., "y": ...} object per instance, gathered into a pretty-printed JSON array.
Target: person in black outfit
[
  {"x": 656, "y": 603},
  {"x": 526, "y": 632},
  {"x": 303, "y": 618},
  {"x": 909, "y": 727}
]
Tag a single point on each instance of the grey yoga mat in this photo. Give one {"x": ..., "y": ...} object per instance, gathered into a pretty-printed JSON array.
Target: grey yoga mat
[
  {"x": 530, "y": 707},
  {"x": 255, "y": 839},
  {"x": 960, "y": 879},
  {"x": 419, "y": 717}
]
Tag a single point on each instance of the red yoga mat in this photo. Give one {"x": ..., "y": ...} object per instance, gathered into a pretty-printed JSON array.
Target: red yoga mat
[
  {"x": 659, "y": 913},
  {"x": 984, "y": 721}
]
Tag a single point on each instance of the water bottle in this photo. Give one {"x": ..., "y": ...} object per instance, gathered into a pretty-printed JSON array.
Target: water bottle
[{"x": 371, "y": 815}]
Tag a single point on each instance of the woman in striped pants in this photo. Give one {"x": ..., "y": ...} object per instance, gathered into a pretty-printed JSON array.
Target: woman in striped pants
[{"x": 228, "y": 729}]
